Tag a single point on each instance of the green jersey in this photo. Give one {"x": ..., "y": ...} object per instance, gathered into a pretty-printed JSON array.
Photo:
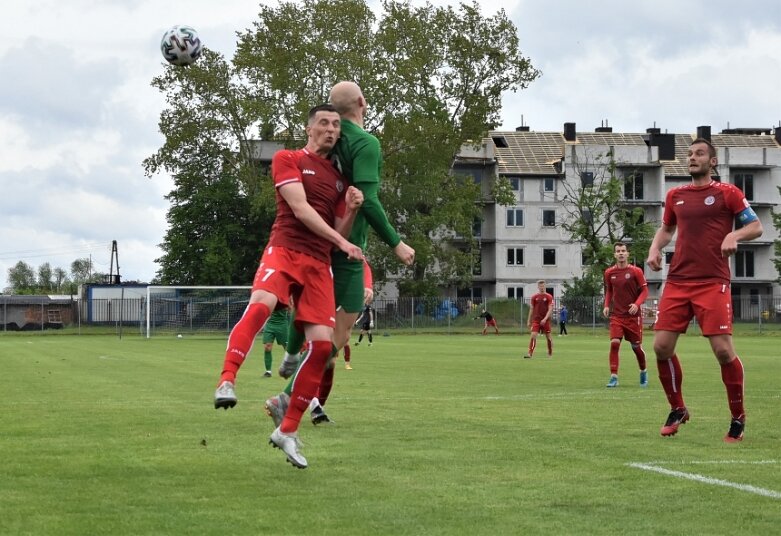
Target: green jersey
[{"x": 360, "y": 158}]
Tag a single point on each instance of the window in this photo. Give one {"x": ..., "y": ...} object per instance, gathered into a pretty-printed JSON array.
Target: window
[
  {"x": 549, "y": 257},
  {"x": 548, "y": 218},
  {"x": 548, "y": 184},
  {"x": 515, "y": 183},
  {"x": 587, "y": 179},
  {"x": 477, "y": 228},
  {"x": 745, "y": 181},
  {"x": 514, "y": 217},
  {"x": 469, "y": 172},
  {"x": 668, "y": 258},
  {"x": 754, "y": 296},
  {"x": 744, "y": 264},
  {"x": 515, "y": 293},
  {"x": 633, "y": 185},
  {"x": 514, "y": 256},
  {"x": 584, "y": 258}
]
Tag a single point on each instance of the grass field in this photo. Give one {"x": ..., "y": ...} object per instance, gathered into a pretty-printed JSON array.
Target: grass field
[{"x": 433, "y": 435}]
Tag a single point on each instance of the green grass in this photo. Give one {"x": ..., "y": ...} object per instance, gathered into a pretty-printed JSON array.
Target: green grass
[{"x": 433, "y": 435}]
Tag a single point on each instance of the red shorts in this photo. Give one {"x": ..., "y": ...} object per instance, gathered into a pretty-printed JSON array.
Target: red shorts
[
  {"x": 490, "y": 323},
  {"x": 709, "y": 303},
  {"x": 537, "y": 327},
  {"x": 308, "y": 281},
  {"x": 627, "y": 327}
]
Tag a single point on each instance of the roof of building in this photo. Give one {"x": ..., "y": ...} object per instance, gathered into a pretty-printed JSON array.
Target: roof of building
[{"x": 539, "y": 153}]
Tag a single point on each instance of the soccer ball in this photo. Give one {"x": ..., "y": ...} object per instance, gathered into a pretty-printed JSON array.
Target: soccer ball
[{"x": 181, "y": 45}]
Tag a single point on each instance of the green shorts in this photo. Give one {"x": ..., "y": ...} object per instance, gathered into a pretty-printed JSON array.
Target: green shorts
[
  {"x": 275, "y": 332},
  {"x": 348, "y": 286}
]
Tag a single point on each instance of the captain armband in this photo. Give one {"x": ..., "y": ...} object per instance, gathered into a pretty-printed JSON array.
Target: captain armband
[{"x": 747, "y": 215}]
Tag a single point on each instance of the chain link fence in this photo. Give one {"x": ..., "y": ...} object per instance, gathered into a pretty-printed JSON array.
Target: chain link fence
[{"x": 753, "y": 314}]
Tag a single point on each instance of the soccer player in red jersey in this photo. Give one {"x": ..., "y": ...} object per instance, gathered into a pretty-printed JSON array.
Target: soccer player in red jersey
[
  {"x": 315, "y": 210},
  {"x": 539, "y": 318},
  {"x": 625, "y": 292},
  {"x": 698, "y": 282}
]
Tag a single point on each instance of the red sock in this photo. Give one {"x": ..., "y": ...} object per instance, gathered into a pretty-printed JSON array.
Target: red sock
[
  {"x": 732, "y": 376},
  {"x": 614, "y": 345},
  {"x": 640, "y": 355},
  {"x": 241, "y": 338},
  {"x": 550, "y": 346},
  {"x": 326, "y": 383},
  {"x": 671, "y": 376},
  {"x": 306, "y": 383},
  {"x": 347, "y": 353},
  {"x": 532, "y": 345}
]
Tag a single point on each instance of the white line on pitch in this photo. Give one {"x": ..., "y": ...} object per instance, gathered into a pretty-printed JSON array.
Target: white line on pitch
[
  {"x": 714, "y": 462},
  {"x": 708, "y": 480}
]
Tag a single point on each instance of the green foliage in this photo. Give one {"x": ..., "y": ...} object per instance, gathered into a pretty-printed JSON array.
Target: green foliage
[{"x": 433, "y": 77}]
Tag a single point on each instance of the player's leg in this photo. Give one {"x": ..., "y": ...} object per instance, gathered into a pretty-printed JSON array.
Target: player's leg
[
  {"x": 240, "y": 343},
  {"x": 532, "y": 343},
  {"x": 347, "y": 353},
  {"x": 294, "y": 341},
  {"x": 267, "y": 358},
  {"x": 549, "y": 340},
  {"x": 634, "y": 336},
  {"x": 371, "y": 336},
  {"x": 671, "y": 377}
]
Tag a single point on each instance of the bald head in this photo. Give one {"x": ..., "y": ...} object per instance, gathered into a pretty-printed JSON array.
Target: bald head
[{"x": 347, "y": 98}]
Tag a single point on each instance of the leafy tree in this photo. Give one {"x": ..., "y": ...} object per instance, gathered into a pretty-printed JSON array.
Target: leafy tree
[
  {"x": 45, "y": 275},
  {"x": 433, "y": 77},
  {"x": 60, "y": 279},
  {"x": 598, "y": 217},
  {"x": 21, "y": 278}
]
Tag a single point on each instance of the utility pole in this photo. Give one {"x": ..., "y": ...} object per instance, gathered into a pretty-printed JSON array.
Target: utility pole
[{"x": 114, "y": 279}]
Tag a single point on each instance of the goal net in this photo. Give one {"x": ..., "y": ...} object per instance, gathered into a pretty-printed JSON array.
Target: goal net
[{"x": 194, "y": 309}]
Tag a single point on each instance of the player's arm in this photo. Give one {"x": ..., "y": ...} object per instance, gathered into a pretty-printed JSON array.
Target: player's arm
[
  {"x": 752, "y": 228},
  {"x": 531, "y": 309},
  {"x": 295, "y": 196},
  {"x": 608, "y": 294},
  {"x": 663, "y": 236},
  {"x": 347, "y": 210},
  {"x": 548, "y": 314},
  {"x": 366, "y": 166},
  {"x": 635, "y": 306}
]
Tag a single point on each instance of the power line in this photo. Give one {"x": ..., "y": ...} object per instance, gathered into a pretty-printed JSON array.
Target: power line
[{"x": 53, "y": 251}]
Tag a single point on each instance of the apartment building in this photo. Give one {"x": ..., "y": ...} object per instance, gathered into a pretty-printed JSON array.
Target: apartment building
[{"x": 522, "y": 243}]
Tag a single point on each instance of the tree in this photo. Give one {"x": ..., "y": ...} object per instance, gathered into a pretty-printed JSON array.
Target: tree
[
  {"x": 45, "y": 275},
  {"x": 21, "y": 277},
  {"x": 598, "y": 217},
  {"x": 433, "y": 77},
  {"x": 60, "y": 279}
]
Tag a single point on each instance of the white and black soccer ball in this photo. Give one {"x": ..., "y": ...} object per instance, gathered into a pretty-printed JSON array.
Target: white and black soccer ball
[{"x": 181, "y": 45}]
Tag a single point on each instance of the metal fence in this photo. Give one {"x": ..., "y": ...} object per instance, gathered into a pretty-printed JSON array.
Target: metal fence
[{"x": 409, "y": 315}]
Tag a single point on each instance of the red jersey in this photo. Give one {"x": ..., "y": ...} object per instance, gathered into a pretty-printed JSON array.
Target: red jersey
[
  {"x": 540, "y": 303},
  {"x": 704, "y": 216},
  {"x": 623, "y": 287},
  {"x": 325, "y": 191}
]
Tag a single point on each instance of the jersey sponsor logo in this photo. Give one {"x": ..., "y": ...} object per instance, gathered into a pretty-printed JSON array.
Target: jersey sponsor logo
[
  {"x": 723, "y": 327},
  {"x": 627, "y": 276},
  {"x": 308, "y": 171},
  {"x": 710, "y": 200}
]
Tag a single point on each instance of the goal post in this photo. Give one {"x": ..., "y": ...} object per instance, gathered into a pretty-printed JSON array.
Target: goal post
[{"x": 194, "y": 309}]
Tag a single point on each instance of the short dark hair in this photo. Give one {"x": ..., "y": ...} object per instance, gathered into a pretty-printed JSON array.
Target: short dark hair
[
  {"x": 620, "y": 244},
  {"x": 321, "y": 108},
  {"x": 711, "y": 148}
]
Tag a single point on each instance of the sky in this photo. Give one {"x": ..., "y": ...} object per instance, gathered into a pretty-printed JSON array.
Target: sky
[{"x": 78, "y": 115}]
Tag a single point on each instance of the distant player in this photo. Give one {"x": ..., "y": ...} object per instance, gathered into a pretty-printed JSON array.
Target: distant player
[
  {"x": 625, "y": 292},
  {"x": 366, "y": 321},
  {"x": 490, "y": 321},
  {"x": 698, "y": 282},
  {"x": 563, "y": 316},
  {"x": 540, "y": 311},
  {"x": 274, "y": 330}
]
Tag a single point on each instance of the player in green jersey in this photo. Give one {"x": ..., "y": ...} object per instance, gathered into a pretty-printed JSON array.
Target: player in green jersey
[
  {"x": 360, "y": 158},
  {"x": 275, "y": 329}
]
